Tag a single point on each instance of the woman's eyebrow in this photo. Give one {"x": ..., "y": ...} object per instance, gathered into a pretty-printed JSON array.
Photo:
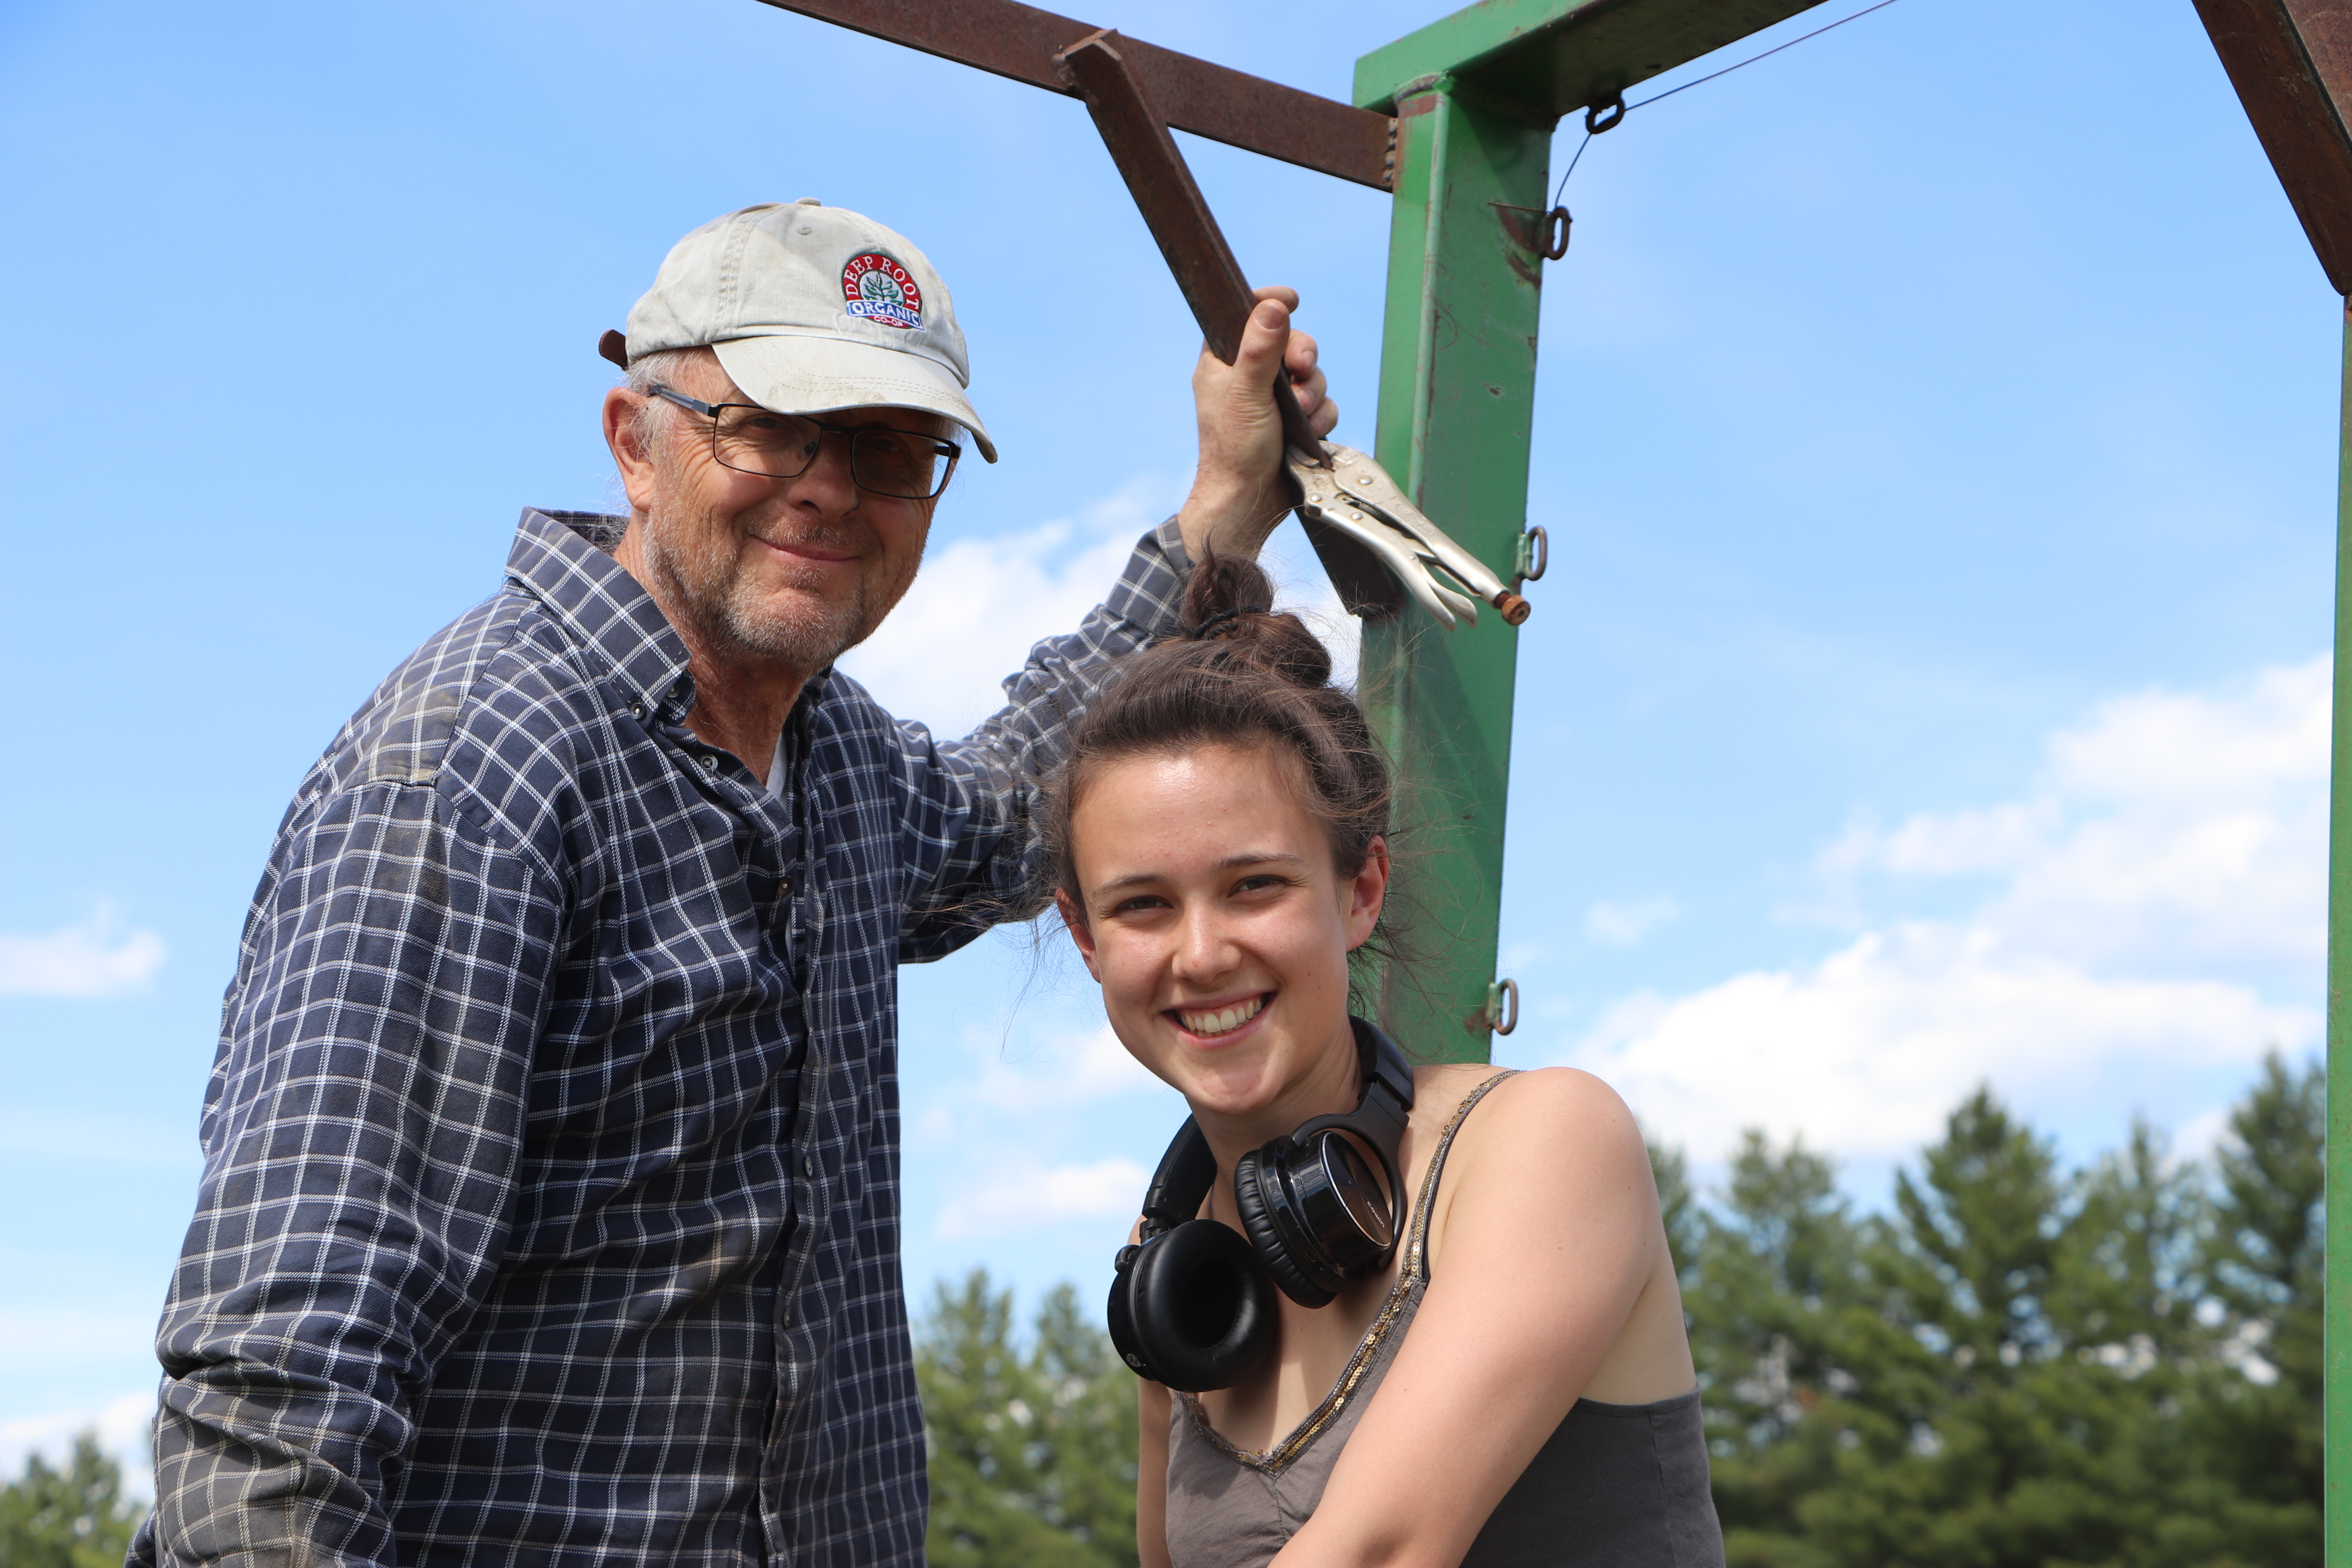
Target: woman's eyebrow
[
  {"x": 1230, "y": 863},
  {"x": 1271, "y": 858}
]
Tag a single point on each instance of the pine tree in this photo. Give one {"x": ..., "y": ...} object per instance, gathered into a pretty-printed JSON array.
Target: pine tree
[
  {"x": 1032, "y": 1456},
  {"x": 2021, "y": 1365},
  {"x": 1979, "y": 1436},
  {"x": 73, "y": 1518},
  {"x": 1775, "y": 1273},
  {"x": 1677, "y": 1207},
  {"x": 1090, "y": 1422},
  {"x": 2257, "y": 1422}
]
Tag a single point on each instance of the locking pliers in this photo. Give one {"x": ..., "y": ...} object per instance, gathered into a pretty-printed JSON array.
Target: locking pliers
[{"x": 1348, "y": 491}]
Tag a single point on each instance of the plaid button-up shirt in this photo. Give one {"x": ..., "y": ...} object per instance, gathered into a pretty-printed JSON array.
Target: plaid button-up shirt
[{"x": 550, "y": 1207}]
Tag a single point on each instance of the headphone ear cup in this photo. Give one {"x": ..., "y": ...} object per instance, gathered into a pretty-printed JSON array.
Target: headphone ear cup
[
  {"x": 1250, "y": 1182},
  {"x": 1196, "y": 1308},
  {"x": 1121, "y": 1319}
]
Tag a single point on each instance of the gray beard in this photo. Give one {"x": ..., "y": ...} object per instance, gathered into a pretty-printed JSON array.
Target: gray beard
[{"x": 802, "y": 631}]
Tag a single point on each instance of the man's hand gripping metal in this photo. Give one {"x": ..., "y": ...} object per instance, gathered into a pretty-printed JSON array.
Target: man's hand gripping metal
[
  {"x": 1347, "y": 491},
  {"x": 1336, "y": 485}
]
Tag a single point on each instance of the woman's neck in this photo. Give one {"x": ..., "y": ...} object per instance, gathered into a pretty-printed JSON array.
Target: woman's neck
[{"x": 1332, "y": 1083}]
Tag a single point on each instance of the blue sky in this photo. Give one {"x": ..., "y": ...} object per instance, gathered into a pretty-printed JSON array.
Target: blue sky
[{"x": 1935, "y": 430}]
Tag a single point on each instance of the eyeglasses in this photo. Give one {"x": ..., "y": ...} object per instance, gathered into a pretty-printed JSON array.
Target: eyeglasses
[{"x": 903, "y": 464}]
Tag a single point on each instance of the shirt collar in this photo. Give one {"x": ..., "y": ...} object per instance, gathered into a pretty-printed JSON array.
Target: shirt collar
[{"x": 562, "y": 558}]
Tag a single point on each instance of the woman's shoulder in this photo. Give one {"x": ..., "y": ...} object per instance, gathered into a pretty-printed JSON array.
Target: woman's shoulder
[
  {"x": 1542, "y": 1097},
  {"x": 1534, "y": 1117}
]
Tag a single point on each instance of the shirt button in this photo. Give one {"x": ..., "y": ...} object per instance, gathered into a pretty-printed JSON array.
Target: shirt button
[
  {"x": 808, "y": 1166},
  {"x": 636, "y": 709},
  {"x": 710, "y": 763}
]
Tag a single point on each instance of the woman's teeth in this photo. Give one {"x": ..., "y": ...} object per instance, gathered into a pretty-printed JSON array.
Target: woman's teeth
[{"x": 1225, "y": 1020}]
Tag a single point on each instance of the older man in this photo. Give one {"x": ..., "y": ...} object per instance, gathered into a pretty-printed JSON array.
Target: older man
[{"x": 549, "y": 1211}]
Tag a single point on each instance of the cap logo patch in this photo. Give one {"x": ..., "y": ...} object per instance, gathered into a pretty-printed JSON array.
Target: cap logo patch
[{"x": 876, "y": 288}]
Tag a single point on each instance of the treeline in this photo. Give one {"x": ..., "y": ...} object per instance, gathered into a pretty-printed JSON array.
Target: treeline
[
  {"x": 2111, "y": 1367},
  {"x": 2019, "y": 1365},
  {"x": 1032, "y": 1444},
  {"x": 69, "y": 1518}
]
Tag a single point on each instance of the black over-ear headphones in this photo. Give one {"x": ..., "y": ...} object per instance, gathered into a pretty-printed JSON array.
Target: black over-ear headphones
[{"x": 1189, "y": 1306}]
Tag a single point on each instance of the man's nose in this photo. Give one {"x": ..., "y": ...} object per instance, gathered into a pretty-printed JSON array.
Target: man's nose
[{"x": 827, "y": 483}]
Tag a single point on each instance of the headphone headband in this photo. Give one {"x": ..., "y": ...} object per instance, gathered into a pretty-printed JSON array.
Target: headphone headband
[
  {"x": 1185, "y": 1174},
  {"x": 1385, "y": 1104},
  {"x": 1187, "y": 1276}
]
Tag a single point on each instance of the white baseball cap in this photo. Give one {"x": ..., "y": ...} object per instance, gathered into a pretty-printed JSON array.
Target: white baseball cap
[{"x": 810, "y": 309}]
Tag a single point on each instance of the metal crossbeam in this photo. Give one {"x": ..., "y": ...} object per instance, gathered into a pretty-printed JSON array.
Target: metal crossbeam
[
  {"x": 2290, "y": 61},
  {"x": 1212, "y": 101},
  {"x": 1539, "y": 60}
]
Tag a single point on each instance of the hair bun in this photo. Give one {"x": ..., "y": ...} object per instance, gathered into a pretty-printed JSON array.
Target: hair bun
[{"x": 1228, "y": 600}]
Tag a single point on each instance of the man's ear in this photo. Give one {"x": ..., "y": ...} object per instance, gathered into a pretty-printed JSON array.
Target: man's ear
[
  {"x": 1067, "y": 908},
  {"x": 629, "y": 456},
  {"x": 1366, "y": 892}
]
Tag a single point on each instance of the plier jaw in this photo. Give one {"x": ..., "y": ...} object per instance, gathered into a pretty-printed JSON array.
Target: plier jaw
[{"x": 1343, "y": 488}]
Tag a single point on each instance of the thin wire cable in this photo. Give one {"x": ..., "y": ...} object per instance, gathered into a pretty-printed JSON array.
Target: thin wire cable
[
  {"x": 1768, "y": 54},
  {"x": 1562, "y": 191}
]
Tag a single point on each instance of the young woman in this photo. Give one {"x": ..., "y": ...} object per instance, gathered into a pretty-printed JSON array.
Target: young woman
[{"x": 1512, "y": 1385}]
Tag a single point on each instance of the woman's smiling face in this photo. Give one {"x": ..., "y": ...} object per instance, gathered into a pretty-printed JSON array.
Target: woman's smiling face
[{"x": 1218, "y": 927}]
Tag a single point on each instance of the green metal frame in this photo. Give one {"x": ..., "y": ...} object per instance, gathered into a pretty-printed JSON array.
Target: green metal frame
[
  {"x": 2338, "y": 1239},
  {"x": 1476, "y": 96},
  {"x": 1458, "y": 389}
]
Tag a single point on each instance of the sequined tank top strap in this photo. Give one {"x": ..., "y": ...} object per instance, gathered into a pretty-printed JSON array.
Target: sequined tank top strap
[{"x": 1416, "y": 1256}]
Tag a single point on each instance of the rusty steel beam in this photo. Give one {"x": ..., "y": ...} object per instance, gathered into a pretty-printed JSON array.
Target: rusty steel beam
[
  {"x": 1223, "y": 105},
  {"x": 1211, "y": 279},
  {"x": 1167, "y": 195},
  {"x": 2290, "y": 61}
]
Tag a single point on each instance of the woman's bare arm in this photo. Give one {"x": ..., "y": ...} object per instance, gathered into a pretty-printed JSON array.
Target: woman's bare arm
[
  {"x": 1152, "y": 1409},
  {"x": 1550, "y": 1244}
]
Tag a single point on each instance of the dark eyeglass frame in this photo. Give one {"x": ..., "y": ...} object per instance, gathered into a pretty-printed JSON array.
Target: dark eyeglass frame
[{"x": 848, "y": 432}]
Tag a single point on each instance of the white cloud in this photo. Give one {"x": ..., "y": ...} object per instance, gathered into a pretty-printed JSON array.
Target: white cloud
[
  {"x": 980, "y": 604},
  {"x": 1865, "y": 1052},
  {"x": 93, "y": 957},
  {"x": 1023, "y": 1195},
  {"x": 1059, "y": 1073},
  {"x": 1013, "y": 1126},
  {"x": 122, "y": 1424},
  {"x": 2152, "y": 911},
  {"x": 1624, "y": 925},
  {"x": 2168, "y": 831}
]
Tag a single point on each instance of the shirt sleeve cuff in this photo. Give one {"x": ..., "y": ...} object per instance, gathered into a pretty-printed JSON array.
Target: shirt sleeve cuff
[{"x": 1149, "y": 595}]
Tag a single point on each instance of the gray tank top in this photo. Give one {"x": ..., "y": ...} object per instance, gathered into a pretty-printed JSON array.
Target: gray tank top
[{"x": 1615, "y": 1486}]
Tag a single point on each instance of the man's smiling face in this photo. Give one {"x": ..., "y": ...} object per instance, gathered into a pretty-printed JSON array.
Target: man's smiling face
[{"x": 789, "y": 571}]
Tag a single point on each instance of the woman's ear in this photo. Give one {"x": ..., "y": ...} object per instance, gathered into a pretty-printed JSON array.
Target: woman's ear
[
  {"x": 1075, "y": 923},
  {"x": 1367, "y": 893}
]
